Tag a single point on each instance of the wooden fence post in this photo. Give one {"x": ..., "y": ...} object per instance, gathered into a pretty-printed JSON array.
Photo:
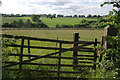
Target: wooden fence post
[
  {"x": 95, "y": 53},
  {"x": 103, "y": 41},
  {"x": 28, "y": 48},
  {"x": 75, "y": 39},
  {"x": 59, "y": 61},
  {"x": 21, "y": 55}
]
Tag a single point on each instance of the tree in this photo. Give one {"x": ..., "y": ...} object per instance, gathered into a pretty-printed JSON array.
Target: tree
[
  {"x": 112, "y": 55},
  {"x": 95, "y": 16},
  {"x": 60, "y": 15},
  {"x": 83, "y": 16},
  {"x": 54, "y": 15},
  {"x": 35, "y": 18},
  {"x": 99, "y": 16},
  {"x": 17, "y": 15},
  {"x": 14, "y": 24},
  {"x": 89, "y": 16},
  {"x": 6, "y": 25},
  {"x": 48, "y": 16},
  {"x": 28, "y": 23},
  {"x": 20, "y": 23},
  {"x": 75, "y": 15}
]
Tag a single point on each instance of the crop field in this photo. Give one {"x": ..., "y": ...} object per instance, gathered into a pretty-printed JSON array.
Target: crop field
[{"x": 50, "y": 22}]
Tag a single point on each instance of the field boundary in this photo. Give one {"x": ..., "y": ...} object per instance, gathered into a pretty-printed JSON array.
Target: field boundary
[{"x": 50, "y": 28}]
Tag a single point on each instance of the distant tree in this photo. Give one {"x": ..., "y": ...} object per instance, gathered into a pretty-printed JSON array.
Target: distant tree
[
  {"x": 6, "y": 25},
  {"x": 20, "y": 23},
  {"x": 89, "y": 16},
  {"x": 75, "y": 15},
  {"x": 12, "y": 15},
  {"x": 60, "y": 15},
  {"x": 35, "y": 18},
  {"x": 28, "y": 23},
  {"x": 70, "y": 16},
  {"x": 17, "y": 15},
  {"x": 83, "y": 16},
  {"x": 14, "y": 24},
  {"x": 95, "y": 16},
  {"x": 99, "y": 16},
  {"x": 54, "y": 15},
  {"x": 49, "y": 15},
  {"x": 79, "y": 16}
]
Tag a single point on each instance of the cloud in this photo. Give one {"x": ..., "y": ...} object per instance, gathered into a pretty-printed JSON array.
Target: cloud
[
  {"x": 54, "y": 6},
  {"x": 84, "y": 9}
]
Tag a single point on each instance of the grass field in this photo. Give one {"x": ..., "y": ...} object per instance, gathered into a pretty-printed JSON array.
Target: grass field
[
  {"x": 50, "y": 22},
  {"x": 61, "y": 21},
  {"x": 87, "y": 35},
  {"x": 11, "y": 19}
]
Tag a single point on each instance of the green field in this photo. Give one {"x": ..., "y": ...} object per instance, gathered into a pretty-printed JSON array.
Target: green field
[
  {"x": 11, "y": 19},
  {"x": 67, "y": 35},
  {"x": 50, "y": 22},
  {"x": 86, "y": 35},
  {"x": 61, "y": 21}
]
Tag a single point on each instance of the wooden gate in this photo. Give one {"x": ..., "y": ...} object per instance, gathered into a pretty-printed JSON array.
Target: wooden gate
[{"x": 62, "y": 63}]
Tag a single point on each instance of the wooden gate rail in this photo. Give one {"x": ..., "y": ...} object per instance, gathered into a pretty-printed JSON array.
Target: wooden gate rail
[
  {"x": 45, "y": 56},
  {"x": 49, "y": 40},
  {"x": 82, "y": 48},
  {"x": 25, "y": 55},
  {"x": 62, "y": 65}
]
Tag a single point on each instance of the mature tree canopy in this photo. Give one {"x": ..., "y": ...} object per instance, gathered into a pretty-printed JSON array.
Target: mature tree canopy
[{"x": 35, "y": 18}]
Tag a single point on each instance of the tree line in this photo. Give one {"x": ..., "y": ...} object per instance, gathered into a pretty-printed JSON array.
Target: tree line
[
  {"x": 52, "y": 15},
  {"x": 35, "y": 22}
]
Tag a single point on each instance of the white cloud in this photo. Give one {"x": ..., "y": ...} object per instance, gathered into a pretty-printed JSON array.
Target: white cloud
[{"x": 54, "y": 6}]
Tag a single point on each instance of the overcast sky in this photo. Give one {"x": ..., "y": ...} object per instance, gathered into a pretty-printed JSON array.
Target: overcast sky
[{"x": 66, "y": 7}]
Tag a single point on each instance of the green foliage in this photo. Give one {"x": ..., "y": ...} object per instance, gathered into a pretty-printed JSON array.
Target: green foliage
[
  {"x": 35, "y": 18},
  {"x": 20, "y": 23},
  {"x": 89, "y": 16},
  {"x": 7, "y": 50},
  {"x": 83, "y": 24},
  {"x": 111, "y": 56},
  {"x": 28, "y": 23}
]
